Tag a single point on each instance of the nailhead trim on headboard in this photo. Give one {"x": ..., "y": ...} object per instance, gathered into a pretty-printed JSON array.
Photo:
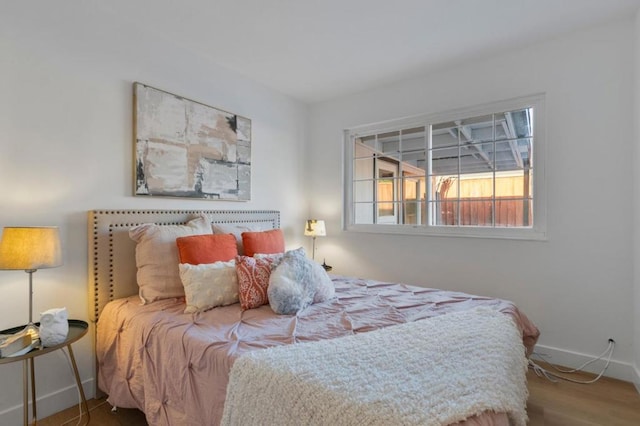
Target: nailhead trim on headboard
[{"x": 112, "y": 253}]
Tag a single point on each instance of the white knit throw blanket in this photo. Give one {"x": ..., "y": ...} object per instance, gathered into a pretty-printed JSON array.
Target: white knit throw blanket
[{"x": 436, "y": 371}]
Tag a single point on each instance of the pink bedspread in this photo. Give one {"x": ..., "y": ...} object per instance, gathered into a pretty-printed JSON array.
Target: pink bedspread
[{"x": 175, "y": 366}]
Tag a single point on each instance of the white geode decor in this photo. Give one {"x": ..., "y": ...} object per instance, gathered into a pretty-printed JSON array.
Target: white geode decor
[{"x": 54, "y": 326}]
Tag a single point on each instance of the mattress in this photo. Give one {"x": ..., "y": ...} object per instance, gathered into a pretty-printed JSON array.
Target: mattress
[{"x": 175, "y": 366}]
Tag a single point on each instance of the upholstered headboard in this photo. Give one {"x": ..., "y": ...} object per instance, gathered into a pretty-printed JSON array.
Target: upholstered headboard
[{"x": 112, "y": 263}]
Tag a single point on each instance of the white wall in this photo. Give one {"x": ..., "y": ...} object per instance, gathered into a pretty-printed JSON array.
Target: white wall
[
  {"x": 577, "y": 286},
  {"x": 66, "y": 74},
  {"x": 636, "y": 206}
]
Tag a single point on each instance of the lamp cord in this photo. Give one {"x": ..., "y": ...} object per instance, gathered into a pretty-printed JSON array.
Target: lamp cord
[
  {"x": 553, "y": 377},
  {"x": 77, "y": 388}
]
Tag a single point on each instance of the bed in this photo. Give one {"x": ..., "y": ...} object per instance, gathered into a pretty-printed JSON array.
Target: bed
[{"x": 178, "y": 368}]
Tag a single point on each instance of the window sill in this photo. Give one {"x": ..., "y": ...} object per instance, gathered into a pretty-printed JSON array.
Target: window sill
[{"x": 530, "y": 234}]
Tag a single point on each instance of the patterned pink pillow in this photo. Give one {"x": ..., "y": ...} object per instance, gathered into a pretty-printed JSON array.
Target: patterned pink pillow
[{"x": 253, "y": 279}]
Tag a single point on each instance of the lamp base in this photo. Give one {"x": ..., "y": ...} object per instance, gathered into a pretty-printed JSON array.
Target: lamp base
[
  {"x": 33, "y": 330},
  {"x": 325, "y": 266}
]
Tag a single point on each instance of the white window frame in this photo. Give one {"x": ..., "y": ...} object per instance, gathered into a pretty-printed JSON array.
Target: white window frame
[{"x": 536, "y": 232}]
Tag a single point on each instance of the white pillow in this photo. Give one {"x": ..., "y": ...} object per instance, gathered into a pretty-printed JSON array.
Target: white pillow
[
  {"x": 209, "y": 285},
  {"x": 297, "y": 282},
  {"x": 157, "y": 257}
]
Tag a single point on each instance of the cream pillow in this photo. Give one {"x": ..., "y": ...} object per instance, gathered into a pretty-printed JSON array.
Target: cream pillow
[
  {"x": 157, "y": 257},
  {"x": 209, "y": 285}
]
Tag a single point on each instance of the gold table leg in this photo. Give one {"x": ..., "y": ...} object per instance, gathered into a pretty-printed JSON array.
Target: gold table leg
[
  {"x": 25, "y": 392},
  {"x": 79, "y": 383},
  {"x": 33, "y": 391}
]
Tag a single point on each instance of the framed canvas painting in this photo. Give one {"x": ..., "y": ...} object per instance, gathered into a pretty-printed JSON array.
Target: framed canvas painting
[{"x": 184, "y": 148}]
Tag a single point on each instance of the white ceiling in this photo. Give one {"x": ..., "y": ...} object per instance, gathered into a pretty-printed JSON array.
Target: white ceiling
[{"x": 315, "y": 50}]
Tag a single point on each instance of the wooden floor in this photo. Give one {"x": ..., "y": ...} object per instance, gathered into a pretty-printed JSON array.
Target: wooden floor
[{"x": 608, "y": 402}]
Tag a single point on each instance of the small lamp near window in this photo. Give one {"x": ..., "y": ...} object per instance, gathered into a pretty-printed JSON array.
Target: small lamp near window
[
  {"x": 30, "y": 249},
  {"x": 315, "y": 228}
]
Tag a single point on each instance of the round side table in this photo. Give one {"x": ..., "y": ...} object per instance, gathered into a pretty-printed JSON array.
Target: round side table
[{"x": 77, "y": 329}]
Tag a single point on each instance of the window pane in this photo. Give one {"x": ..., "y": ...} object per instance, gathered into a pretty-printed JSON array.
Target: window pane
[
  {"x": 413, "y": 140},
  {"x": 363, "y": 191},
  {"x": 363, "y": 213},
  {"x": 514, "y": 124},
  {"x": 444, "y": 187},
  {"x": 476, "y": 186},
  {"x": 476, "y": 129},
  {"x": 444, "y": 161},
  {"x": 513, "y": 212},
  {"x": 413, "y": 147},
  {"x": 476, "y": 158},
  {"x": 363, "y": 168},
  {"x": 474, "y": 212},
  {"x": 413, "y": 195},
  {"x": 386, "y": 191},
  {"x": 362, "y": 151},
  {"x": 386, "y": 210},
  {"x": 443, "y": 135},
  {"x": 368, "y": 141},
  {"x": 413, "y": 214},
  {"x": 525, "y": 147},
  {"x": 512, "y": 184},
  {"x": 513, "y": 154},
  {"x": 389, "y": 144},
  {"x": 502, "y": 128},
  {"x": 412, "y": 160},
  {"x": 444, "y": 213},
  {"x": 413, "y": 187},
  {"x": 387, "y": 213}
]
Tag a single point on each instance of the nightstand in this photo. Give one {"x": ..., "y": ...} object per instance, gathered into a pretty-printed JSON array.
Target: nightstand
[{"x": 77, "y": 329}]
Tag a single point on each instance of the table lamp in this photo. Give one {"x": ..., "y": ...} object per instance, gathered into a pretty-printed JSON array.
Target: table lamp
[
  {"x": 315, "y": 228},
  {"x": 30, "y": 249}
]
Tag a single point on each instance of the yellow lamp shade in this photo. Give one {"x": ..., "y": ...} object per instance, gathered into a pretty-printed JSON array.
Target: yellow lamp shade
[{"x": 30, "y": 248}]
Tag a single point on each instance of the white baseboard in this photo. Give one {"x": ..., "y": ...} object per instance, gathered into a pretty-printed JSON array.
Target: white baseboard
[
  {"x": 636, "y": 379},
  {"x": 47, "y": 404},
  {"x": 617, "y": 369}
]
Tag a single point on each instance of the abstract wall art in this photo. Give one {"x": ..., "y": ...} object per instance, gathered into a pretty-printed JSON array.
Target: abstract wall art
[{"x": 184, "y": 148}]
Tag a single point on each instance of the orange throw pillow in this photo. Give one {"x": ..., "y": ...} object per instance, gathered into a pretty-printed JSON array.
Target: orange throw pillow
[
  {"x": 210, "y": 248},
  {"x": 253, "y": 280},
  {"x": 267, "y": 242}
]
